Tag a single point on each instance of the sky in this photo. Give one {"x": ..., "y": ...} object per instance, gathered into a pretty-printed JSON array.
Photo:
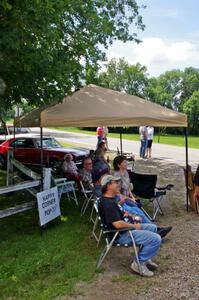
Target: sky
[{"x": 170, "y": 39}]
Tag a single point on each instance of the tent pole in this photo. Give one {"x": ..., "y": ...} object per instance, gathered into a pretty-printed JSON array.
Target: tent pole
[
  {"x": 187, "y": 166},
  {"x": 14, "y": 139},
  {"x": 121, "y": 143},
  {"x": 41, "y": 158}
]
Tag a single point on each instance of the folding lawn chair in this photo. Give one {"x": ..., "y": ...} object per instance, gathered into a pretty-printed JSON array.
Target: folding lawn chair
[
  {"x": 96, "y": 231},
  {"x": 111, "y": 240},
  {"x": 89, "y": 197},
  {"x": 144, "y": 186},
  {"x": 66, "y": 187}
]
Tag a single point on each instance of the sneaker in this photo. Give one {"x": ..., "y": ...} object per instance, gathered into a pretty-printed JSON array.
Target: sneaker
[
  {"x": 151, "y": 265},
  {"x": 143, "y": 270},
  {"x": 163, "y": 231}
]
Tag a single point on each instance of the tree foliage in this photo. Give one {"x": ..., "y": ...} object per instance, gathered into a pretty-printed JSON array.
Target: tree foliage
[
  {"x": 121, "y": 76},
  {"x": 46, "y": 45},
  {"x": 191, "y": 108},
  {"x": 175, "y": 89},
  {"x": 166, "y": 89}
]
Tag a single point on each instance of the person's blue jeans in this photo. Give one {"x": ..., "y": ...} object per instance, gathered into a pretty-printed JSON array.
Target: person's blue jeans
[
  {"x": 134, "y": 210},
  {"x": 143, "y": 147},
  {"x": 147, "y": 239}
]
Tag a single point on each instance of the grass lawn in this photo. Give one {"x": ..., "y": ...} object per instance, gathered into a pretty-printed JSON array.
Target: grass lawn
[
  {"x": 43, "y": 266},
  {"x": 175, "y": 140}
]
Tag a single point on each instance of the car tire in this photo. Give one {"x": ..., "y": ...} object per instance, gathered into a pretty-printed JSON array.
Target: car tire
[
  {"x": 2, "y": 162},
  {"x": 55, "y": 165}
]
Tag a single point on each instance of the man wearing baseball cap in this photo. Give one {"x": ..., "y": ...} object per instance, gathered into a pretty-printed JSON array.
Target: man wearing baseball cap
[{"x": 144, "y": 234}]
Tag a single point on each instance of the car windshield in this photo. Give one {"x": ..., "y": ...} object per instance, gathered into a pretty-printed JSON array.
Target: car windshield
[{"x": 49, "y": 143}]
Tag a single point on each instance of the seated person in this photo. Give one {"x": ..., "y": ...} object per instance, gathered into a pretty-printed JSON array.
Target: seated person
[
  {"x": 70, "y": 169},
  {"x": 100, "y": 167},
  {"x": 86, "y": 174},
  {"x": 126, "y": 200},
  {"x": 145, "y": 235},
  {"x": 120, "y": 170}
]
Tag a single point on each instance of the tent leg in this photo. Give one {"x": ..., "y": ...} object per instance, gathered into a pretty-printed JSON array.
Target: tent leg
[
  {"x": 41, "y": 158},
  {"x": 121, "y": 144},
  {"x": 187, "y": 166}
]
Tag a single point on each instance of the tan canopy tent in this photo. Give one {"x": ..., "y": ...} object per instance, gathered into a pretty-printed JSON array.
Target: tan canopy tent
[{"x": 94, "y": 106}]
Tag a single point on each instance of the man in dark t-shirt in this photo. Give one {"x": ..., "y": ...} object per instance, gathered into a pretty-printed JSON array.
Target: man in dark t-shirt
[{"x": 144, "y": 235}]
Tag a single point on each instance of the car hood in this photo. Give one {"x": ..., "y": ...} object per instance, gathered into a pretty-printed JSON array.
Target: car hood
[{"x": 74, "y": 151}]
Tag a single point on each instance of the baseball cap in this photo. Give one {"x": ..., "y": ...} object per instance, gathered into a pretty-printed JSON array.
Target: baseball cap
[{"x": 108, "y": 178}]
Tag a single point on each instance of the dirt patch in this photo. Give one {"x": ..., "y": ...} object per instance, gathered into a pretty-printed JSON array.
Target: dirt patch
[{"x": 178, "y": 258}]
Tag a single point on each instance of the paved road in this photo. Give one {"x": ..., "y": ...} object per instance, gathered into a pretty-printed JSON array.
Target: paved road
[{"x": 165, "y": 152}]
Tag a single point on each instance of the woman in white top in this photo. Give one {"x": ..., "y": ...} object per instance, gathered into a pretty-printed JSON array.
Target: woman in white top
[
  {"x": 150, "y": 132},
  {"x": 70, "y": 170}
]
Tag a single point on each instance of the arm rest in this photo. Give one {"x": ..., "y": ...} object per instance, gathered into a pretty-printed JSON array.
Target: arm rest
[
  {"x": 118, "y": 230},
  {"x": 166, "y": 187}
]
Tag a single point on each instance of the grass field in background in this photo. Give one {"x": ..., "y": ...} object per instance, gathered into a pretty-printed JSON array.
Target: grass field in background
[
  {"x": 43, "y": 266},
  {"x": 174, "y": 140}
]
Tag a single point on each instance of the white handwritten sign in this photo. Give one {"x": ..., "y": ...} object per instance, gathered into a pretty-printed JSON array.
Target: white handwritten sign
[{"x": 48, "y": 205}]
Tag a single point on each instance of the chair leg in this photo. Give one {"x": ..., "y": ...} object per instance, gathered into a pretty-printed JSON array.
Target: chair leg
[
  {"x": 68, "y": 196},
  {"x": 85, "y": 204},
  {"x": 105, "y": 251},
  {"x": 156, "y": 208},
  {"x": 99, "y": 238},
  {"x": 135, "y": 250},
  {"x": 92, "y": 213},
  {"x": 85, "y": 207},
  {"x": 146, "y": 213},
  {"x": 95, "y": 225},
  {"x": 94, "y": 234},
  {"x": 75, "y": 197}
]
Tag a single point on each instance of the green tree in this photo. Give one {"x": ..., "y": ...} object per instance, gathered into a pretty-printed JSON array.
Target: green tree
[
  {"x": 166, "y": 90},
  {"x": 190, "y": 83},
  {"x": 45, "y": 44},
  {"x": 122, "y": 76},
  {"x": 191, "y": 108}
]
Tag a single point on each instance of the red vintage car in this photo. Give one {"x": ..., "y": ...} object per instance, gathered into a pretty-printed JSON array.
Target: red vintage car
[{"x": 27, "y": 149}]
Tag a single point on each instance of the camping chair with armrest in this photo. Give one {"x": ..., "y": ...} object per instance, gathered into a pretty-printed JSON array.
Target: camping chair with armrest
[
  {"x": 110, "y": 237},
  {"x": 144, "y": 186}
]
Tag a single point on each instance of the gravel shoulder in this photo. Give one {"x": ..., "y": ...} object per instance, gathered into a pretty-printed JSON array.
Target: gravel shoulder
[{"x": 178, "y": 258}]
